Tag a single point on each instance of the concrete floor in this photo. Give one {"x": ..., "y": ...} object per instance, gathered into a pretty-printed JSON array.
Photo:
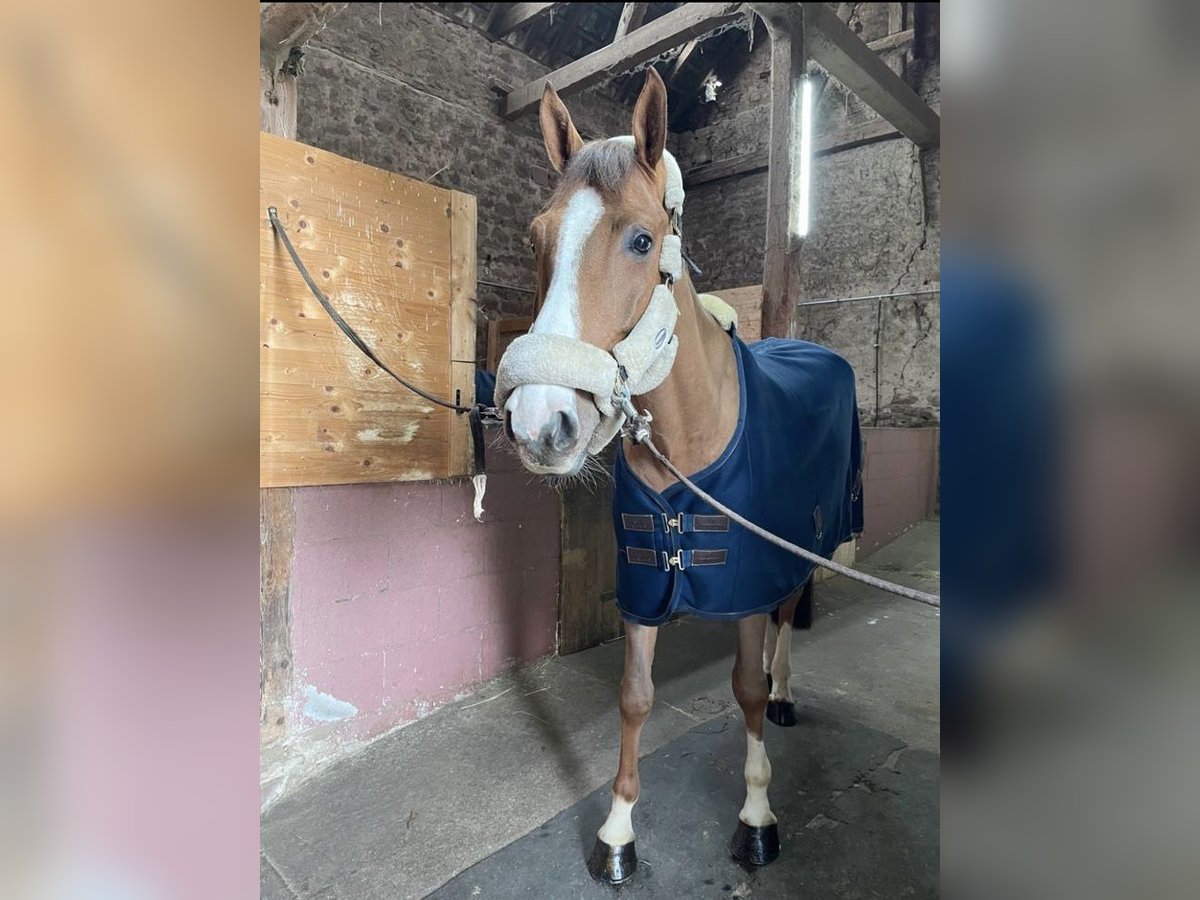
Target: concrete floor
[{"x": 500, "y": 795}]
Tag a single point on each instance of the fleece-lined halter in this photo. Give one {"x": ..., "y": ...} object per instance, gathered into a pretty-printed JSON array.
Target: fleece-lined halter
[{"x": 636, "y": 365}]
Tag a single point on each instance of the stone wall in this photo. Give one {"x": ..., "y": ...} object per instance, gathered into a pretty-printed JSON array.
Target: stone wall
[
  {"x": 875, "y": 228},
  {"x": 418, "y": 96}
]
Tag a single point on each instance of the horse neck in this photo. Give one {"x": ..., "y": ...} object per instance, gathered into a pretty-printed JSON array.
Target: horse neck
[{"x": 695, "y": 409}]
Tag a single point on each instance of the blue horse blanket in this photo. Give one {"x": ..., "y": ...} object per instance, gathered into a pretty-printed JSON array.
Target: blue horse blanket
[{"x": 793, "y": 466}]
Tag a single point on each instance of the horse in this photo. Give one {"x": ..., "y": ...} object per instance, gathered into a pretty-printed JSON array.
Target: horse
[{"x": 770, "y": 428}]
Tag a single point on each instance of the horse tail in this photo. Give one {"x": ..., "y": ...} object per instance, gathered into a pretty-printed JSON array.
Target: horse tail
[{"x": 803, "y": 617}]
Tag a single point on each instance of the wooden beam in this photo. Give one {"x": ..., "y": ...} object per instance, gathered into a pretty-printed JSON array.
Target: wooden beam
[
  {"x": 632, "y": 15},
  {"x": 508, "y": 17},
  {"x": 282, "y": 26},
  {"x": 892, "y": 41},
  {"x": 665, "y": 33},
  {"x": 682, "y": 58},
  {"x": 787, "y": 80},
  {"x": 895, "y": 17},
  {"x": 283, "y": 30},
  {"x": 844, "y": 138},
  {"x": 844, "y": 55}
]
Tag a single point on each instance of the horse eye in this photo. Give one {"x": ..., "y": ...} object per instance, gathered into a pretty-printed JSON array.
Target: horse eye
[{"x": 642, "y": 244}]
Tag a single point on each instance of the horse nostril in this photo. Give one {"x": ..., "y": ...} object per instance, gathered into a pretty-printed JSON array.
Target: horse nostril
[
  {"x": 566, "y": 430},
  {"x": 508, "y": 429}
]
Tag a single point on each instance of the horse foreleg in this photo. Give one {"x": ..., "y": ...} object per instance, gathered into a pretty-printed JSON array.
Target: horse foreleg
[
  {"x": 614, "y": 857},
  {"x": 756, "y": 840}
]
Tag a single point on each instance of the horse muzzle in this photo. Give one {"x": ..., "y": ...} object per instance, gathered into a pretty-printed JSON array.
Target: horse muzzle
[{"x": 550, "y": 427}]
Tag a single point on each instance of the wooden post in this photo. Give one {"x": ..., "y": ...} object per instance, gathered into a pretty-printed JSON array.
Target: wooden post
[
  {"x": 276, "y": 535},
  {"x": 284, "y": 28},
  {"x": 782, "y": 245}
]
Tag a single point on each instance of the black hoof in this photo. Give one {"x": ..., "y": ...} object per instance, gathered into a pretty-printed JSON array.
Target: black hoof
[
  {"x": 782, "y": 712},
  {"x": 755, "y": 845},
  {"x": 614, "y": 865}
]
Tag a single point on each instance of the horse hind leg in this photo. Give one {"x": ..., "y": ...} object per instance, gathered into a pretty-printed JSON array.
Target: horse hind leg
[
  {"x": 614, "y": 857},
  {"x": 756, "y": 840},
  {"x": 796, "y": 611}
]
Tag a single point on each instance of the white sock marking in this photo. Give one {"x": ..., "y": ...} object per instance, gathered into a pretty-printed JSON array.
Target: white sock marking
[
  {"x": 618, "y": 827},
  {"x": 757, "y": 810},
  {"x": 781, "y": 665},
  {"x": 769, "y": 646}
]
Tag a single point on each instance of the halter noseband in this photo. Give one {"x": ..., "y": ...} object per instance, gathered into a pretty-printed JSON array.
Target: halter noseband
[{"x": 637, "y": 364}]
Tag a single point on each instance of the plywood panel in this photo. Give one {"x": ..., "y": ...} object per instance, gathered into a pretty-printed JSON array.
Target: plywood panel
[
  {"x": 748, "y": 303},
  {"x": 396, "y": 258}
]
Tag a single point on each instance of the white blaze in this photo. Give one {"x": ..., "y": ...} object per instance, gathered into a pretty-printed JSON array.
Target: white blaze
[
  {"x": 532, "y": 405},
  {"x": 560, "y": 311}
]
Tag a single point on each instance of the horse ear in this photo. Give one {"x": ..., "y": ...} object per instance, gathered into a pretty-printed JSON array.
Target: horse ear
[
  {"x": 650, "y": 120},
  {"x": 558, "y": 131}
]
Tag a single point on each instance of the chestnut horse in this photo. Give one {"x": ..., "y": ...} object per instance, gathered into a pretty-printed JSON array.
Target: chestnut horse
[{"x": 615, "y": 213}]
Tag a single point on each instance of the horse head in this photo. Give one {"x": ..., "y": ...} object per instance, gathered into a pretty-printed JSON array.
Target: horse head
[{"x": 599, "y": 247}]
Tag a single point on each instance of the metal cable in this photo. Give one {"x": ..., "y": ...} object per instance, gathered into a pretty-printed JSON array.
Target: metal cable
[
  {"x": 826, "y": 301},
  {"x": 898, "y": 589},
  {"x": 273, "y": 215}
]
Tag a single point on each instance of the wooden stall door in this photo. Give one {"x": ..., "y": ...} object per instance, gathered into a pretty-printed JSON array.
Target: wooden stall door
[
  {"x": 587, "y": 614},
  {"x": 396, "y": 258}
]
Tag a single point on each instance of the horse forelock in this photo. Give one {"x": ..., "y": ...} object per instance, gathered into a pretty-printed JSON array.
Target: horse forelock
[{"x": 603, "y": 165}]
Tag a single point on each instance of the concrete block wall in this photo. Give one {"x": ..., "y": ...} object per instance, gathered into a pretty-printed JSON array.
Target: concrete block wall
[{"x": 899, "y": 483}]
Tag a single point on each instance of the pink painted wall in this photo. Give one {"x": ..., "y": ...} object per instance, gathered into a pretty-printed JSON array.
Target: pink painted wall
[
  {"x": 400, "y": 600},
  {"x": 899, "y": 483}
]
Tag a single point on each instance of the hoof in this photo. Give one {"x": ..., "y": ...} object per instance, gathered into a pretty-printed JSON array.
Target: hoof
[
  {"x": 782, "y": 712},
  {"x": 755, "y": 845},
  {"x": 614, "y": 865}
]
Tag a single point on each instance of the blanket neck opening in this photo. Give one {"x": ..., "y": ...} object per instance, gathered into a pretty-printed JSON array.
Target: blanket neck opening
[{"x": 696, "y": 408}]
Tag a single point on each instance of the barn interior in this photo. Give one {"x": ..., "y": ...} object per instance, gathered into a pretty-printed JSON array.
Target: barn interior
[{"x": 438, "y": 710}]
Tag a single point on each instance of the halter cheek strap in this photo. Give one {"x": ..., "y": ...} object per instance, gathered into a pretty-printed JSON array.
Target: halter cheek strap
[{"x": 638, "y": 364}]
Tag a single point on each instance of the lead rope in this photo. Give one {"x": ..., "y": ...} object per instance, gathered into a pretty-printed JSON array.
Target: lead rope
[
  {"x": 898, "y": 589},
  {"x": 637, "y": 429}
]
